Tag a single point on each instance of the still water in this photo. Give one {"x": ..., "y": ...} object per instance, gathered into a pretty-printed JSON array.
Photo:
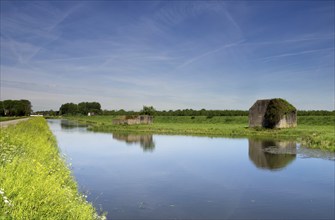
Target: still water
[{"x": 185, "y": 177}]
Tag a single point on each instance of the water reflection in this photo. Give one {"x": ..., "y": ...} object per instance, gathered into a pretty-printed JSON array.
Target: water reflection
[
  {"x": 66, "y": 124},
  {"x": 145, "y": 140},
  {"x": 272, "y": 155}
]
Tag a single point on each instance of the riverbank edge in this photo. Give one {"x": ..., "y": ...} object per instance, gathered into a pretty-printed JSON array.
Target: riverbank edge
[
  {"x": 3, "y": 119},
  {"x": 35, "y": 181},
  {"x": 315, "y": 137}
]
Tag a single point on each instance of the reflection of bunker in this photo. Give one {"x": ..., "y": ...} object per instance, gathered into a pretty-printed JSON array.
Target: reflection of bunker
[
  {"x": 272, "y": 155},
  {"x": 146, "y": 141}
]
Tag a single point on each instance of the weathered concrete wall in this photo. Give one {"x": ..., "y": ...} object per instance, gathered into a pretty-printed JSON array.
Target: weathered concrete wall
[
  {"x": 146, "y": 119},
  {"x": 257, "y": 113},
  {"x": 141, "y": 119},
  {"x": 288, "y": 121}
]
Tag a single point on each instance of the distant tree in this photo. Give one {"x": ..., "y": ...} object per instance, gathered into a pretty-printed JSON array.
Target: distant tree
[
  {"x": 51, "y": 113},
  {"x": 15, "y": 107},
  {"x": 68, "y": 109},
  {"x": 148, "y": 110},
  {"x": 94, "y": 107},
  {"x": 26, "y": 105},
  {"x": 82, "y": 108}
]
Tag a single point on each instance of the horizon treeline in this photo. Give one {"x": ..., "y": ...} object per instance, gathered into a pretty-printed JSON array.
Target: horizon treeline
[
  {"x": 82, "y": 108},
  {"x": 15, "y": 107},
  {"x": 24, "y": 108},
  {"x": 182, "y": 112},
  {"x": 211, "y": 113}
]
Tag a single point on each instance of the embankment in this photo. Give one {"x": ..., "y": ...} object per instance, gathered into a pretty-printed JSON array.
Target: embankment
[{"x": 35, "y": 182}]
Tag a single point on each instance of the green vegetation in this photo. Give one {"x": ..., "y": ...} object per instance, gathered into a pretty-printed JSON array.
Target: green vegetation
[
  {"x": 35, "y": 182},
  {"x": 312, "y": 131},
  {"x": 179, "y": 112},
  {"x": 15, "y": 108},
  {"x": 148, "y": 110},
  {"x": 82, "y": 108},
  {"x": 73, "y": 109},
  {"x": 276, "y": 109}
]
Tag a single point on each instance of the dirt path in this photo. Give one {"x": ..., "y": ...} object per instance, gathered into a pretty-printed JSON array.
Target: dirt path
[{"x": 5, "y": 124}]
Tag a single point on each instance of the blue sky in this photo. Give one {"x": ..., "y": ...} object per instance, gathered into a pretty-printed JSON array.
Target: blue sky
[{"x": 169, "y": 54}]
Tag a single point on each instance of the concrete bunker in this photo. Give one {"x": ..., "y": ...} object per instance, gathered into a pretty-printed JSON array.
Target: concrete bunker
[{"x": 133, "y": 120}]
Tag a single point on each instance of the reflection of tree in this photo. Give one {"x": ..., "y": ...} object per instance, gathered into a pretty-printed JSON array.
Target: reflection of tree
[
  {"x": 146, "y": 141},
  {"x": 272, "y": 155},
  {"x": 65, "y": 124}
]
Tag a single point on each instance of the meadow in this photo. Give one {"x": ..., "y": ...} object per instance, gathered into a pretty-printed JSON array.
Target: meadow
[
  {"x": 35, "y": 182},
  {"x": 312, "y": 131}
]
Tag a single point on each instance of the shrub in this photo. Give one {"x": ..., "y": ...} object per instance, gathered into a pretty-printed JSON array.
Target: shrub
[{"x": 276, "y": 109}]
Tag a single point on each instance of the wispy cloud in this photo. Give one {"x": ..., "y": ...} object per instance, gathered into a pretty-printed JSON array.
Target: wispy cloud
[
  {"x": 231, "y": 18},
  {"x": 26, "y": 34},
  {"x": 296, "y": 39},
  {"x": 208, "y": 53},
  {"x": 270, "y": 58}
]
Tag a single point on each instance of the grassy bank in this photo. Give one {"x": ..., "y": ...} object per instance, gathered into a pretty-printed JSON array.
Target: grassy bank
[
  {"x": 312, "y": 131},
  {"x": 35, "y": 182}
]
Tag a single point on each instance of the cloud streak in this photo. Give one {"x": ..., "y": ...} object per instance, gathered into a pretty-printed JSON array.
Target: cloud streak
[
  {"x": 208, "y": 53},
  {"x": 27, "y": 34},
  {"x": 270, "y": 58}
]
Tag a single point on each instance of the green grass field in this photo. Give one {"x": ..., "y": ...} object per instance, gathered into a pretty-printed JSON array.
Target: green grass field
[
  {"x": 35, "y": 182},
  {"x": 312, "y": 131}
]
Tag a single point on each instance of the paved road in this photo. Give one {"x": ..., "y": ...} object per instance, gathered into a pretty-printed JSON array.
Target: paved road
[{"x": 4, "y": 124}]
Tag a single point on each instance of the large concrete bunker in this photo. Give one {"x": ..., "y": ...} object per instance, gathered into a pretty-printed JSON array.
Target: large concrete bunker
[{"x": 272, "y": 113}]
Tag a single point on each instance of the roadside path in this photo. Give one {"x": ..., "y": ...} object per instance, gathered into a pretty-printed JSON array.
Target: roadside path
[{"x": 5, "y": 124}]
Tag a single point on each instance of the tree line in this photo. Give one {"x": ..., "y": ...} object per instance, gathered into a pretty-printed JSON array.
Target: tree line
[
  {"x": 150, "y": 110},
  {"x": 315, "y": 113},
  {"x": 15, "y": 107},
  {"x": 23, "y": 108},
  {"x": 205, "y": 112},
  {"x": 83, "y": 108}
]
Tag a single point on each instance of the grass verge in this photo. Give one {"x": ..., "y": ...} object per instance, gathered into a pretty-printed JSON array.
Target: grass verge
[
  {"x": 312, "y": 131},
  {"x": 35, "y": 182}
]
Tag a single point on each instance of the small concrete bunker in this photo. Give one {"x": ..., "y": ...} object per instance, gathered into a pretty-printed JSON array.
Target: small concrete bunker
[
  {"x": 133, "y": 120},
  {"x": 272, "y": 113}
]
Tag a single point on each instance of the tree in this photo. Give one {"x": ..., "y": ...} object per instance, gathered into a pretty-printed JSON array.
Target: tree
[
  {"x": 82, "y": 108},
  {"x": 26, "y": 105},
  {"x": 148, "y": 110},
  {"x": 86, "y": 107},
  {"x": 68, "y": 109},
  {"x": 15, "y": 107}
]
